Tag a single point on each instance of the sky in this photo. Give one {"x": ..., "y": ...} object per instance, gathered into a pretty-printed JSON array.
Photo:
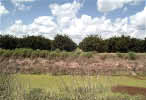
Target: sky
[{"x": 75, "y": 18}]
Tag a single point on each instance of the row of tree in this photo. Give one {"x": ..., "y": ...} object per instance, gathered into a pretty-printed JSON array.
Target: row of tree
[
  {"x": 63, "y": 42},
  {"x": 114, "y": 44},
  {"x": 37, "y": 42}
]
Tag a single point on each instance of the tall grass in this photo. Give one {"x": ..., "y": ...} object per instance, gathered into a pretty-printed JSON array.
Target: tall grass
[
  {"x": 87, "y": 90},
  {"x": 6, "y": 87}
]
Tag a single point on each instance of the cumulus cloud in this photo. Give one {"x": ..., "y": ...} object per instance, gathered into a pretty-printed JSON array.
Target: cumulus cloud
[
  {"x": 3, "y": 10},
  {"x": 110, "y": 5},
  {"x": 43, "y": 25},
  {"x": 64, "y": 20},
  {"x": 139, "y": 20},
  {"x": 65, "y": 13},
  {"x": 19, "y": 4}
]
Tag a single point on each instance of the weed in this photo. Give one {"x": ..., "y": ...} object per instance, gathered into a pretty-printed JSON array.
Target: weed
[
  {"x": 131, "y": 55},
  {"x": 87, "y": 54},
  {"x": 120, "y": 55}
]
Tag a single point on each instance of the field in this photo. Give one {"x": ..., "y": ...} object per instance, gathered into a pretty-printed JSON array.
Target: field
[
  {"x": 131, "y": 87},
  {"x": 61, "y": 75}
]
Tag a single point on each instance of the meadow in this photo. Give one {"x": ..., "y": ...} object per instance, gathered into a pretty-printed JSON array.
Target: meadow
[{"x": 68, "y": 87}]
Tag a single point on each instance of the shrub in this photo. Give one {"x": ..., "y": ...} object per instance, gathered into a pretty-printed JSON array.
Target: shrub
[
  {"x": 120, "y": 55},
  {"x": 63, "y": 43},
  {"x": 131, "y": 55},
  {"x": 43, "y": 53},
  {"x": 1, "y": 52},
  {"x": 64, "y": 54},
  {"x": 7, "y": 53},
  {"x": 76, "y": 53},
  {"x": 87, "y": 54},
  {"x": 53, "y": 54}
]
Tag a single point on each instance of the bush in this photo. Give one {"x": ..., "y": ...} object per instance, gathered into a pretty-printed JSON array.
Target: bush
[
  {"x": 131, "y": 55},
  {"x": 87, "y": 54},
  {"x": 43, "y": 54},
  {"x": 120, "y": 55},
  {"x": 93, "y": 43},
  {"x": 7, "y": 53},
  {"x": 53, "y": 54},
  {"x": 63, "y": 43}
]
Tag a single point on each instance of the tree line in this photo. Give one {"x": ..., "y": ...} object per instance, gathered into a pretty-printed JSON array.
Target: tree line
[{"x": 63, "y": 42}]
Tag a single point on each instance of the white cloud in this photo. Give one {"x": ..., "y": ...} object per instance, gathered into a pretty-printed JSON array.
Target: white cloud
[
  {"x": 3, "y": 10},
  {"x": 43, "y": 25},
  {"x": 139, "y": 20},
  {"x": 65, "y": 13},
  {"x": 64, "y": 20},
  {"x": 110, "y": 5},
  {"x": 19, "y": 4}
]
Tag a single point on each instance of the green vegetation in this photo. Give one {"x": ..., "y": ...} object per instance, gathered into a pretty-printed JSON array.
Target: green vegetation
[
  {"x": 123, "y": 44},
  {"x": 63, "y": 43},
  {"x": 87, "y": 54},
  {"x": 131, "y": 55},
  {"x": 22, "y": 52},
  {"x": 78, "y": 87},
  {"x": 47, "y": 87},
  {"x": 93, "y": 43}
]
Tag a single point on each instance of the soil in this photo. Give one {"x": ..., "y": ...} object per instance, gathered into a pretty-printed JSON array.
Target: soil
[{"x": 129, "y": 90}]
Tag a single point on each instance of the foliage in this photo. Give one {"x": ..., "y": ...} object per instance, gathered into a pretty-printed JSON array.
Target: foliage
[
  {"x": 131, "y": 55},
  {"x": 63, "y": 43},
  {"x": 35, "y": 42},
  {"x": 8, "y": 42},
  {"x": 93, "y": 43},
  {"x": 87, "y": 54},
  {"x": 120, "y": 55},
  {"x": 122, "y": 44}
]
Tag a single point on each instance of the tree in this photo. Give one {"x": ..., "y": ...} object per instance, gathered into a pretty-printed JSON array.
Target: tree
[
  {"x": 35, "y": 42},
  {"x": 63, "y": 42},
  {"x": 118, "y": 44},
  {"x": 8, "y": 42},
  {"x": 93, "y": 43}
]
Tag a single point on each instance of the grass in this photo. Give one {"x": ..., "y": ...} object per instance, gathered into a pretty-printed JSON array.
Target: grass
[
  {"x": 100, "y": 84},
  {"x": 48, "y": 87},
  {"x": 49, "y": 81}
]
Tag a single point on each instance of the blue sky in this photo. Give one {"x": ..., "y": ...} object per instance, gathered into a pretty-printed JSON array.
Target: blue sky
[{"x": 76, "y": 18}]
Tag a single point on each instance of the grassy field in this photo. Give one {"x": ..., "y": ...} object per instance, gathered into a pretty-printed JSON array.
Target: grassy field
[
  {"x": 52, "y": 82},
  {"x": 100, "y": 85}
]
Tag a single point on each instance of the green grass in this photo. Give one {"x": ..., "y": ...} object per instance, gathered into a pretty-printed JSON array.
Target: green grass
[
  {"x": 55, "y": 82},
  {"x": 48, "y": 87}
]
